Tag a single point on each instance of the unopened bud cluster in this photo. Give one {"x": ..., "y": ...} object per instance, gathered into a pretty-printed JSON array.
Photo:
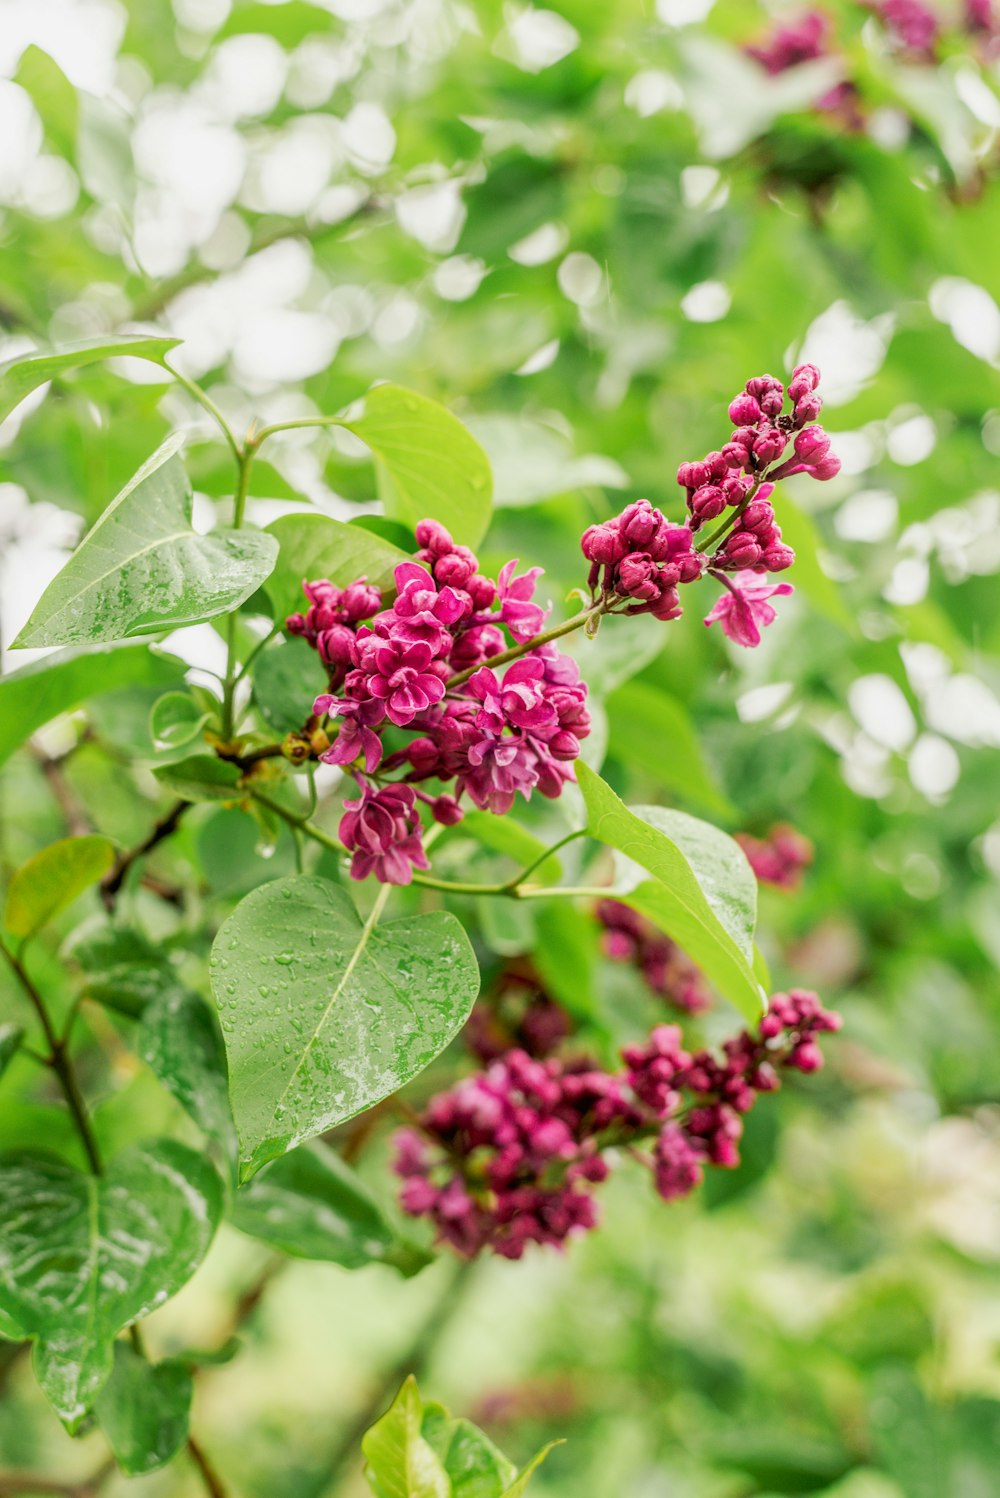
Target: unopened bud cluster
[
  {"x": 780, "y": 858},
  {"x": 668, "y": 972},
  {"x": 512, "y": 1156}
]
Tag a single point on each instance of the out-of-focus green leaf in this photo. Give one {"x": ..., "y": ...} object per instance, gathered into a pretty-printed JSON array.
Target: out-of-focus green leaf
[
  {"x": 286, "y": 681},
  {"x": 142, "y": 569},
  {"x": 53, "y": 879},
  {"x": 123, "y": 969},
  {"x": 11, "y": 1036},
  {"x": 312, "y": 1205},
  {"x": 429, "y": 465},
  {"x": 798, "y": 532},
  {"x": 25, "y": 372},
  {"x": 400, "y": 1462},
  {"x": 652, "y": 731},
  {"x": 532, "y": 462},
  {"x": 201, "y": 777},
  {"x": 143, "y": 1410},
  {"x": 29, "y": 698},
  {"x": 175, "y": 719}
]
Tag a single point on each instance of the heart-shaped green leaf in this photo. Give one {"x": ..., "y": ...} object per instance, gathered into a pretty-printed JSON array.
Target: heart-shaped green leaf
[
  {"x": 323, "y": 1016},
  {"x": 429, "y": 464},
  {"x": 142, "y": 568},
  {"x": 82, "y": 1256},
  {"x": 311, "y": 1204},
  {"x": 314, "y": 546},
  {"x": 59, "y": 683},
  {"x": 53, "y": 879},
  {"x": 21, "y": 375},
  {"x": 143, "y": 1410},
  {"x": 652, "y": 731},
  {"x": 702, "y": 893}
]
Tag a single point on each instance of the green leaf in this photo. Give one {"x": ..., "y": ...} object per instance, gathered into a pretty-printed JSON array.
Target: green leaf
[
  {"x": 286, "y": 681},
  {"x": 702, "y": 894},
  {"x": 53, "y": 879},
  {"x": 504, "y": 835},
  {"x": 653, "y": 732},
  {"x": 83, "y": 1256},
  {"x": 321, "y": 1016},
  {"x": 123, "y": 970},
  {"x": 520, "y": 1484},
  {"x": 29, "y": 698},
  {"x": 175, "y": 719},
  {"x": 312, "y": 1205},
  {"x": 201, "y": 777},
  {"x": 475, "y": 1467},
  {"x": 566, "y": 957},
  {"x": 429, "y": 465},
  {"x": 179, "y": 1041},
  {"x": 799, "y": 532},
  {"x": 400, "y": 1463},
  {"x": 314, "y": 546},
  {"x": 532, "y": 462},
  {"x": 52, "y": 95},
  {"x": 11, "y": 1036},
  {"x": 143, "y": 1410},
  {"x": 24, "y": 373},
  {"x": 142, "y": 569}
]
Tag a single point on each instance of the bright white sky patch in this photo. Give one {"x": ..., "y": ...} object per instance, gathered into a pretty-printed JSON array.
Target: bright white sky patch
[{"x": 971, "y": 314}]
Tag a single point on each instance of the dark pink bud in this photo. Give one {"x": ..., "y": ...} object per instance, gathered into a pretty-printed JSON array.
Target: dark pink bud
[
  {"x": 769, "y": 446},
  {"x": 805, "y": 378},
  {"x": 707, "y": 502},
  {"x": 482, "y": 591},
  {"x": 453, "y": 570},
  {"x": 637, "y": 576},
  {"x": 693, "y": 475},
  {"x": 639, "y": 523},
  {"x": 667, "y": 606},
  {"x": 360, "y": 601},
  {"x": 603, "y": 544},
  {"x": 433, "y": 537},
  {"x": 826, "y": 468},
  {"x": 744, "y": 411},
  {"x": 811, "y": 444},
  {"x": 768, "y": 392},
  {"x": 778, "y": 557},
  {"x": 807, "y": 409},
  {"x": 758, "y": 516},
  {"x": 446, "y": 810},
  {"x": 742, "y": 549}
]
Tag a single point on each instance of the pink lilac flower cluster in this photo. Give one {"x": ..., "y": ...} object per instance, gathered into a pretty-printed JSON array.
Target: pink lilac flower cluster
[
  {"x": 780, "y": 858},
  {"x": 806, "y": 38},
  {"x": 639, "y": 560},
  {"x": 511, "y": 1156},
  {"x": 517, "y": 1015},
  {"x": 421, "y": 665},
  {"x": 911, "y": 25},
  {"x": 668, "y": 972}
]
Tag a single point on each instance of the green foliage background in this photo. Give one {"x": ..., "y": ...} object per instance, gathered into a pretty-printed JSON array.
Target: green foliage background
[{"x": 822, "y": 1321}]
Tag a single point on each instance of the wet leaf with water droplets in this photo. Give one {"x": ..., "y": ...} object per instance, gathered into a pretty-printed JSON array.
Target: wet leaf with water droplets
[
  {"x": 83, "y": 1256},
  {"x": 142, "y": 569},
  {"x": 179, "y": 1041},
  {"x": 352, "y": 1016}
]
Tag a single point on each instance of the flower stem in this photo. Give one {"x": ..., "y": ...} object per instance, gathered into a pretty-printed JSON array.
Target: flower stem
[
  {"x": 244, "y": 461},
  {"x": 516, "y": 651},
  {"x": 207, "y": 404},
  {"x": 731, "y": 520},
  {"x": 301, "y": 824}
]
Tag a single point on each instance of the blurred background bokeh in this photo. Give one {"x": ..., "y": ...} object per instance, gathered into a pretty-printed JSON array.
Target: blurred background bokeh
[{"x": 583, "y": 226}]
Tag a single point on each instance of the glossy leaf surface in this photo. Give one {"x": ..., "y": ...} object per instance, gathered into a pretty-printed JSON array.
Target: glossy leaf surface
[
  {"x": 322, "y": 1016},
  {"x": 142, "y": 568}
]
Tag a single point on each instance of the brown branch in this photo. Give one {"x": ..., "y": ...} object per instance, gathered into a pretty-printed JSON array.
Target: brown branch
[
  {"x": 19, "y": 1485},
  {"x": 211, "y": 1479},
  {"x": 74, "y": 815},
  {"x": 164, "y": 828}
]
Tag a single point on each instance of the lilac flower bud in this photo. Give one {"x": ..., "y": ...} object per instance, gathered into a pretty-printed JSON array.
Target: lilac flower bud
[
  {"x": 758, "y": 516},
  {"x": 446, "y": 810},
  {"x": 736, "y": 488},
  {"x": 603, "y": 544},
  {"x": 768, "y": 392},
  {"x": 805, "y": 378},
  {"x": 360, "y": 601},
  {"x": 826, "y": 468},
  {"x": 744, "y": 411},
  {"x": 637, "y": 576},
  {"x": 707, "y": 503},
  {"x": 769, "y": 446},
  {"x": 453, "y": 570},
  {"x": 639, "y": 523},
  {"x": 667, "y": 606},
  {"x": 433, "y": 537},
  {"x": 693, "y": 475},
  {"x": 778, "y": 557},
  {"x": 482, "y": 591},
  {"x": 742, "y": 549},
  {"x": 811, "y": 444},
  {"x": 807, "y": 409}
]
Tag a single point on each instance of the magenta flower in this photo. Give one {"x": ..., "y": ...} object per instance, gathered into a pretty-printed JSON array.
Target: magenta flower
[
  {"x": 382, "y": 831},
  {"x": 523, "y": 618},
  {"x": 355, "y": 740},
  {"x": 743, "y": 610},
  {"x": 396, "y": 672},
  {"x": 520, "y": 701}
]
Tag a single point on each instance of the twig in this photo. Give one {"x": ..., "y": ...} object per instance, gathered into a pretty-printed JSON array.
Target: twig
[
  {"x": 19, "y": 1485},
  {"x": 210, "y": 1477},
  {"x": 74, "y": 815},
  {"x": 164, "y": 828}
]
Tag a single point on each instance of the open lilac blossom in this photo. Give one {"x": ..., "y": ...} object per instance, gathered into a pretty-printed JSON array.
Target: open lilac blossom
[{"x": 744, "y": 609}]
